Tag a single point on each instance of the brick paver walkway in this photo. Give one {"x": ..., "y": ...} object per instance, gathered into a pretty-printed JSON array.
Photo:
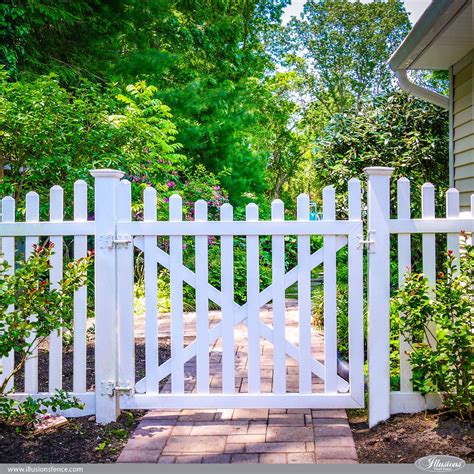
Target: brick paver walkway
[{"x": 243, "y": 435}]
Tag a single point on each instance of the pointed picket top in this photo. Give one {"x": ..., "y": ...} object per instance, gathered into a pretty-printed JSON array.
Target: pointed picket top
[
  {"x": 149, "y": 204},
  {"x": 329, "y": 203},
  {"x": 354, "y": 199},
  {"x": 176, "y": 208},
  {"x": 403, "y": 198},
  {"x": 227, "y": 212},
  {"x": 124, "y": 200},
  {"x": 278, "y": 210},
  {"x": 8, "y": 209},
  {"x": 80, "y": 200},
  {"x": 251, "y": 212},
  {"x": 32, "y": 206},
  {"x": 200, "y": 210},
  {"x": 302, "y": 207},
  {"x": 452, "y": 202},
  {"x": 428, "y": 200},
  {"x": 56, "y": 200}
]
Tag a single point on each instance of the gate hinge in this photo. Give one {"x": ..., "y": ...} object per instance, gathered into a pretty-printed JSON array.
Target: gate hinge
[
  {"x": 108, "y": 241},
  {"x": 109, "y": 388},
  {"x": 369, "y": 242}
]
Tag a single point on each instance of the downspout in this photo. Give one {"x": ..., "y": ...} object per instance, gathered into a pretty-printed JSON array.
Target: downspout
[{"x": 421, "y": 92}]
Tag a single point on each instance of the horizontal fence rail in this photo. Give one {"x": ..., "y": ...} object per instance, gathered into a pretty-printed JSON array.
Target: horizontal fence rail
[{"x": 117, "y": 239}]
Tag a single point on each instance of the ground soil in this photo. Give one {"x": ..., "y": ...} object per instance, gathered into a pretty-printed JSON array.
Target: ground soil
[
  {"x": 81, "y": 440},
  {"x": 408, "y": 437}
]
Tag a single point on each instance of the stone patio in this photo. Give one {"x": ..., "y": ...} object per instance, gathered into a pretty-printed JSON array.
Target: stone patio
[{"x": 269, "y": 436}]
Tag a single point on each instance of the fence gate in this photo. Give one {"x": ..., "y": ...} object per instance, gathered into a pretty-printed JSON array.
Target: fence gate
[
  {"x": 314, "y": 382},
  {"x": 281, "y": 362}
]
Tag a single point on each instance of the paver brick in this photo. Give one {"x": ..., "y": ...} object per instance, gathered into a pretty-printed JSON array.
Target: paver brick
[
  {"x": 278, "y": 447},
  {"x": 250, "y": 414},
  {"x": 188, "y": 459},
  {"x": 257, "y": 427},
  {"x": 294, "y": 419},
  {"x": 244, "y": 459},
  {"x": 216, "y": 459},
  {"x": 166, "y": 459},
  {"x": 195, "y": 444},
  {"x": 272, "y": 458},
  {"x": 300, "y": 458},
  {"x": 331, "y": 452},
  {"x": 232, "y": 448},
  {"x": 329, "y": 414},
  {"x": 289, "y": 433},
  {"x": 335, "y": 441},
  {"x": 233, "y": 428},
  {"x": 138, "y": 456},
  {"x": 331, "y": 430},
  {"x": 246, "y": 438}
]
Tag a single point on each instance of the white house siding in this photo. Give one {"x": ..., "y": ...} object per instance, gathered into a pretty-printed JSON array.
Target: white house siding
[{"x": 463, "y": 127}]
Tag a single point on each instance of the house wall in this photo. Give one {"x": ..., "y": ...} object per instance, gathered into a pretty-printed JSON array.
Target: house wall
[{"x": 462, "y": 132}]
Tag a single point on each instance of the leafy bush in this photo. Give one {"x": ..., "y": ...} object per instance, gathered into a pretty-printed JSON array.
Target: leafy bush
[
  {"x": 28, "y": 305},
  {"x": 24, "y": 413},
  {"x": 442, "y": 359}
]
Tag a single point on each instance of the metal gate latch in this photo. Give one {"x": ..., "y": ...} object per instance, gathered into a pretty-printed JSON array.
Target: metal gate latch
[
  {"x": 108, "y": 241},
  {"x": 369, "y": 242},
  {"x": 109, "y": 388}
]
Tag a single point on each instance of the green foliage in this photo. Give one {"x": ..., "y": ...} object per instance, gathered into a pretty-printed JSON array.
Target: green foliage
[
  {"x": 345, "y": 46},
  {"x": 25, "y": 413},
  {"x": 442, "y": 359},
  {"x": 28, "y": 305},
  {"x": 395, "y": 130},
  {"x": 50, "y": 135}
]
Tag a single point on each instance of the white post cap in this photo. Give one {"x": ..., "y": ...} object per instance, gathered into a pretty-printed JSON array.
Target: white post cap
[
  {"x": 379, "y": 171},
  {"x": 107, "y": 173}
]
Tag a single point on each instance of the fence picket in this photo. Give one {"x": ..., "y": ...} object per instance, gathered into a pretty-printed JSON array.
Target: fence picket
[
  {"x": 330, "y": 295},
  {"x": 125, "y": 271},
  {"x": 80, "y": 296},
  {"x": 202, "y": 302},
  {"x": 429, "y": 248},
  {"x": 56, "y": 274},
  {"x": 151, "y": 296},
  {"x": 253, "y": 309},
  {"x": 404, "y": 265},
  {"x": 227, "y": 288},
  {"x": 8, "y": 250},
  {"x": 176, "y": 292},
  {"x": 304, "y": 298},
  {"x": 452, "y": 211},
  {"x": 31, "y": 365},
  {"x": 356, "y": 296},
  {"x": 278, "y": 298}
]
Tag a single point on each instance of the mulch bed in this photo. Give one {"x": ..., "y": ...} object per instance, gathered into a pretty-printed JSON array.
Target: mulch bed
[
  {"x": 407, "y": 437},
  {"x": 81, "y": 440}
]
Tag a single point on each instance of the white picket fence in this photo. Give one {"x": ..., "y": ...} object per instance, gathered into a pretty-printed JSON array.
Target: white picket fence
[{"x": 116, "y": 236}]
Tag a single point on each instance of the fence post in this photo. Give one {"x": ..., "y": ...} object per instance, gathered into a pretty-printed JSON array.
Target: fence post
[
  {"x": 378, "y": 216},
  {"x": 106, "y": 322}
]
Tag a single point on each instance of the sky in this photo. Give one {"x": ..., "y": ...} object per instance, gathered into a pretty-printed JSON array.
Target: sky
[{"x": 414, "y": 8}]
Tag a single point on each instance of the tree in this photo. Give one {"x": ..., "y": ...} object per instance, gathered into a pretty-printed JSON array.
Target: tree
[
  {"x": 391, "y": 130},
  {"x": 345, "y": 46}
]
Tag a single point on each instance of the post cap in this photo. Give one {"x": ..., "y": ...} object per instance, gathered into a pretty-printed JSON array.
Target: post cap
[
  {"x": 107, "y": 173},
  {"x": 379, "y": 171}
]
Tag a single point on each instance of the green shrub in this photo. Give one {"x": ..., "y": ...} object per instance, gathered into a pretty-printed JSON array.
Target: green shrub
[
  {"x": 28, "y": 305},
  {"x": 442, "y": 359}
]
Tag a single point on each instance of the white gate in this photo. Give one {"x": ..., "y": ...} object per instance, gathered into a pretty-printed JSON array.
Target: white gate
[{"x": 145, "y": 393}]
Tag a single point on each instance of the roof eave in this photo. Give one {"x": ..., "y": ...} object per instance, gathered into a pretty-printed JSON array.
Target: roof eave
[{"x": 430, "y": 24}]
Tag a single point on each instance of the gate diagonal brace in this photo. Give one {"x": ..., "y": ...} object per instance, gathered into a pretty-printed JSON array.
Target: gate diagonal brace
[{"x": 240, "y": 312}]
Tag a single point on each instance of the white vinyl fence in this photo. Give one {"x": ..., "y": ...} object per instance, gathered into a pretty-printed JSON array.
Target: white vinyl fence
[{"x": 116, "y": 238}]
